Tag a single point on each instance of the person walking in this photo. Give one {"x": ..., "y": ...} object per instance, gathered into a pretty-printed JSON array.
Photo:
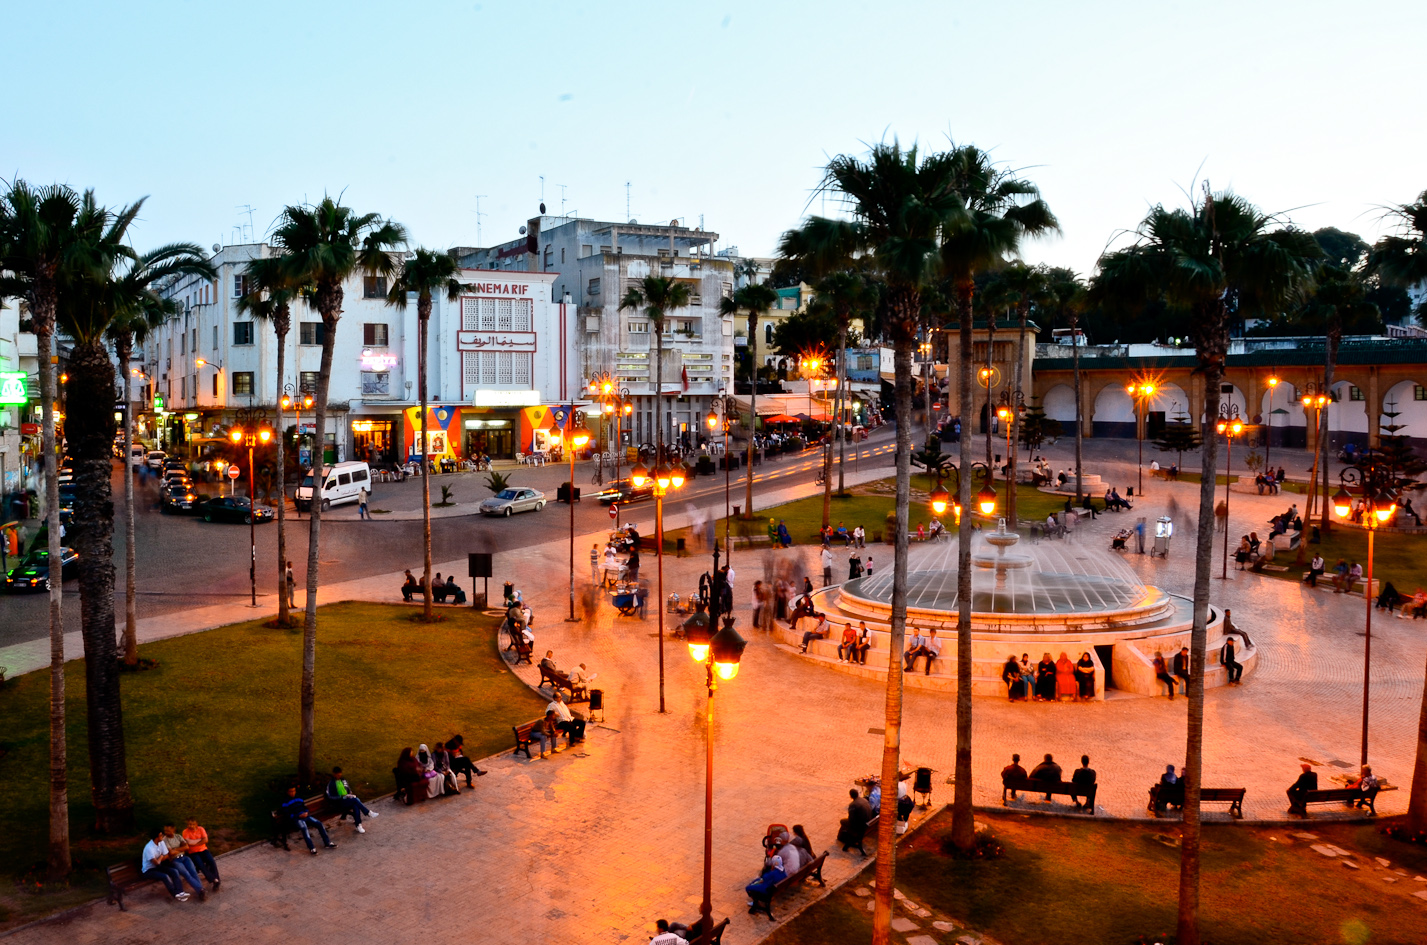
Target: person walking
[
  {"x": 362, "y": 503},
  {"x": 827, "y": 564},
  {"x": 595, "y": 564}
]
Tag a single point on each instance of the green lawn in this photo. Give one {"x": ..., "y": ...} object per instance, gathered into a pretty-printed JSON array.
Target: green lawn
[
  {"x": 212, "y": 732},
  {"x": 1396, "y": 557},
  {"x": 1066, "y": 881}
]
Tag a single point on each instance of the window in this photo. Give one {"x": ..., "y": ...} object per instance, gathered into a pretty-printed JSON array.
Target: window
[
  {"x": 310, "y": 333},
  {"x": 240, "y": 286},
  {"x": 242, "y": 333},
  {"x": 307, "y": 380},
  {"x": 1355, "y": 392},
  {"x": 593, "y": 288},
  {"x": 376, "y": 383},
  {"x": 1419, "y": 392},
  {"x": 344, "y": 479},
  {"x": 215, "y": 383},
  {"x": 587, "y": 249},
  {"x": 243, "y": 383},
  {"x": 767, "y": 333},
  {"x": 183, "y": 343},
  {"x": 562, "y": 255},
  {"x": 639, "y": 328},
  {"x": 215, "y": 337},
  {"x": 359, "y": 475},
  {"x": 373, "y": 287},
  {"x": 195, "y": 341},
  {"x": 183, "y": 387},
  {"x": 374, "y": 335}
]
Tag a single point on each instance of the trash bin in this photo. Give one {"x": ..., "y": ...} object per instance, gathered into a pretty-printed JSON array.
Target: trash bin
[
  {"x": 738, "y": 511},
  {"x": 596, "y": 704}
]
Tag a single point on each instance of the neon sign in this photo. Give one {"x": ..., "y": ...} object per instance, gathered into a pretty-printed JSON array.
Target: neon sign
[
  {"x": 377, "y": 361},
  {"x": 12, "y": 388}
]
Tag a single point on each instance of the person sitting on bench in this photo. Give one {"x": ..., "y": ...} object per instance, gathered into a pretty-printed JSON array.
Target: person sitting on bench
[
  {"x": 1119, "y": 502},
  {"x": 548, "y": 663},
  {"x": 566, "y": 721},
  {"x": 460, "y": 764},
  {"x": 1365, "y": 785},
  {"x": 666, "y": 935},
  {"x": 156, "y": 862},
  {"x": 1089, "y": 506},
  {"x": 295, "y": 810},
  {"x": 1047, "y": 771},
  {"x": 1171, "y": 789},
  {"x": 409, "y": 587},
  {"x": 1307, "y": 781},
  {"x": 454, "y": 590},
  {"x": 547, "y": 731},
  {"x": 1417, "y": 605},
  {"x": 1343, "y": 583},
  {"x": 339, "y": 792},
  {"x": 580, "y": 679},
  {"x": 1389, "y": 599},
  {"x": 1084, "y": 780},
  {"x": 1013, "y": 772},
  {"x": 817, "y": 632},
  {"x": 767, "y": 881}
]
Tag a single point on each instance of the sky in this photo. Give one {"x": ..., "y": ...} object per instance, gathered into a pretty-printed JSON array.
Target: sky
[{"x": 720, "y": 112}]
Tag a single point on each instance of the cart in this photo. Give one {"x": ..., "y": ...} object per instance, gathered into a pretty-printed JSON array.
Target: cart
[{"x": 1163, "y": 532}]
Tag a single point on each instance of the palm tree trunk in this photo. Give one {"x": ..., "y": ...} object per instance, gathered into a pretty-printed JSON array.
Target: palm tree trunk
[
  {"x": 963, "y": 819},
  {"x": 892, "y": 739},
  {"x": 990, "y": 366},
  {"x": 1213, "y": 346},
  {"x": 1015, "y": 421},
  {"x": 90, "y": 432},
  {"x": 330, "y": 305},
  {"x": 752, "y": 411},
  {"x": 284, "y": 615},
  {"x": 59, "y": 863},
  {"x": 124, "y": 350},
  {"x": 1079, "y": 437},
  {"x": 423, "y": 313},
  {"x": 841, "y": 407}
]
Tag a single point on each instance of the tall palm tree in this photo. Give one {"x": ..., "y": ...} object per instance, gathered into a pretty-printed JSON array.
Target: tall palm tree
[
  {"x": 269, "y": 298},
  {"x": 322, "y": 245},
  {"x": 1066, "y": 300},
  {"x": 898, "y": 201},
  {"x": 657, "y": 296},
  {"x": 425, "y": 271},
  {"x": 1002, "y": 211},
  {"x": 47, "y": 237},
  {"x": 754, "y": 299},
  {"x": 1019, "y": 287},
  {"x": 1220, "y": 249},
  {"x": 846, "y": 294},
  {"x": 1401, "y": 259}
]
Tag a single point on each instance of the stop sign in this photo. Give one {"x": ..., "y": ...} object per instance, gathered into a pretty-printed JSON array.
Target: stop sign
[
  {"x": 232, "y": 472},
  {"x": 614, "y": 510}
]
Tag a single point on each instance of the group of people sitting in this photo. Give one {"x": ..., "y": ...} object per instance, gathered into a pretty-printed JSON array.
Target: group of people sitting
[
  {"x": 1168, "y": 472},
  {"x": 559, "y": 720},
  {"x": 174, "y": 858},
  {"x": 778, "y": 534},
  {"x": 413, "y": 587},
  {"x": 1049, "y": 680},
  {"x": 1253, "y": 553},
  {"x": 1050, "y": 773},
  {"x": 784, "y": 855},
  {"x": 1113, "y": 502},
  {"x": 1366, "y": 785},
  {"x": 1269, "y": 481},
  {"x": 1390, "y": 599},
  {"x": 1345, "y": 576},
  {"x": 423, "y": 773},
  {"x": 856, "y": 538}
]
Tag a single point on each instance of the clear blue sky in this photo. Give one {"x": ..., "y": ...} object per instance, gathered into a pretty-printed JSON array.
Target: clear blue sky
[{"x": 728, "y": 110}]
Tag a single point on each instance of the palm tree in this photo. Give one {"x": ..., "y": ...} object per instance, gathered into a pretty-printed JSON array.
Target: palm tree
[
  {"x": 46, "y": 240},
  {"x": 846, "y": 294},
  {"x": 755, "y": 299},
  {"x": 423, "y": 272},
  {"x": 1221, "y": 248},
  {"x": 269, "y": 298},
  {"x": 1002, "y": 211},
  {"x": 321, "y": 246},
  {"x": 1066, "y": 300},
  {"x": 1401, "y": 259},
  {"x": 658, "y": 296}
]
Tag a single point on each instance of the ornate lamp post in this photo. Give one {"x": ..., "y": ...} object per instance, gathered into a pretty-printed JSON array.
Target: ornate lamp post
[
  {"x": 1273, "y": 382},
  {"x": 1315, "y": 398},
  {"x": 1378, "y": 507},
  {"x": 296, "y": 405},
  {"x": 1230, "y": 426},
  {"x": 1012, "y": 407},
  {"x": 665, "y": 478},
  {"x": 614, "y": 402},
  {"x": 721, "y": 414},
  {"x": 574, "y": 438},
  {"x": 1140, "y": 392},
  {"x": 720, "y": 653},
  {"x": 251, "y": 429}
]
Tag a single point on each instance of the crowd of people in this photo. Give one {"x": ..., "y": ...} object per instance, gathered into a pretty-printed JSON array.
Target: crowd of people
[
  {"x": 1049, "y": 680},
  {"x": 176, "y": 858},
  {"x": 424, "y": 773}
]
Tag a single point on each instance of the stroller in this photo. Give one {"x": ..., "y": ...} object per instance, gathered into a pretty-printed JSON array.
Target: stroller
[{"x": 1117, "y": 543}]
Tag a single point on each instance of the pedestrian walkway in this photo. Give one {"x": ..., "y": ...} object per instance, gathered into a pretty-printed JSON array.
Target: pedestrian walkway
[{"x": 594, "y": 844}]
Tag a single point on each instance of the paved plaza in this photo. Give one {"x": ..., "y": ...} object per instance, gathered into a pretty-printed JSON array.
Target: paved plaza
[{"x": 595, "y": 843}]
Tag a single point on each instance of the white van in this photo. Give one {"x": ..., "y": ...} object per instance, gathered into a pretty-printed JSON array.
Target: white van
[
  {"x": 344, "y": 482},
  {"x": 136, "y": 455}
]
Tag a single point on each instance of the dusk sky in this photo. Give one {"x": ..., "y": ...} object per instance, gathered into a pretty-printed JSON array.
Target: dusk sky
[{"x": 722, "y": 111}]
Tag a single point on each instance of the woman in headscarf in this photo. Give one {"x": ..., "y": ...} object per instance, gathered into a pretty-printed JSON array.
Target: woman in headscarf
[
  {"x": 1011, "y": 676},
  {"x": 1065, "y": 677},
  {"x": 409, "y": 781},
  {"x": 1045, "y": 679},
  {"x": 1085, "y": 676},
  {"x": 435, "y": 782}
]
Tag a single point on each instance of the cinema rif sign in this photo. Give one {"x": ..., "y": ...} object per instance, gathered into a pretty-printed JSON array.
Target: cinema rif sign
[{"x": 513, "y": 341}]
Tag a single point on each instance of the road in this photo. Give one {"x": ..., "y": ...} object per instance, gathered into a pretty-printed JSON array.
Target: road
[{"x": 184, "y": 562}]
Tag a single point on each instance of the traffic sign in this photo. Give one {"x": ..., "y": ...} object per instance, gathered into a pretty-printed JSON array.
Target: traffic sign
[
  {"x": 614, "y": 510},
  {"x": 233, "y": 471}
]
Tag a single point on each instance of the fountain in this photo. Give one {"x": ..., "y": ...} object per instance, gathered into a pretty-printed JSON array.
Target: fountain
[{"x": 1026, "y": 597}]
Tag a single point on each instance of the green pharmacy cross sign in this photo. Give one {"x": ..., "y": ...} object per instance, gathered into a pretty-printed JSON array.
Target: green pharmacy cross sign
[
  {"x": 158, "y": 403},
  {"x": 12, "y": 388}
]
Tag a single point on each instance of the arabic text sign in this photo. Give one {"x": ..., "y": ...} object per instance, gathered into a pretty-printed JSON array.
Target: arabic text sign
[
  {"x": 522, "y": 341},
  {"x": 12, "y": 387}
]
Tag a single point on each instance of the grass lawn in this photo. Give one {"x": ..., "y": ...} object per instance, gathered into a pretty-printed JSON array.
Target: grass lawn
[
  {"x": 1067, "y": 882},
  {"x": 212, "y": 731},
  {"x": 1397, "y": 557}
]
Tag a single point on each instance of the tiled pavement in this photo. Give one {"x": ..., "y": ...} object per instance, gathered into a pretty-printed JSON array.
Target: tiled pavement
[{"x": 592, "y": 845}]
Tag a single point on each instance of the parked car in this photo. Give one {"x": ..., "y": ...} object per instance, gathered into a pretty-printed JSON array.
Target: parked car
[
  {"x": 33, "y": 571},
  {"x": 510, "y": 501},
  {"x": 176, "y": 475},
  {"x": 623, "y": 491},
  {"x": 232, "y": 508},
  {"x": 66, "y": 502},
  {"x": 177, "y": 497},
  {"x": 343, "y": 484},
  {"x": 155, "y": 459},
  {"x": 137, "y": 455}
]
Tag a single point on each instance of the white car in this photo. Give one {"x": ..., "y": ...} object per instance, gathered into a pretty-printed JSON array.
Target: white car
[
  {"x": 156, "y": 459},
  {"x": 510, "y": 501}
]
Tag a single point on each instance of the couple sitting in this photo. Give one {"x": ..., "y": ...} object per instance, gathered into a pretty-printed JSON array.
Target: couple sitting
[{"x": 440, "y": 591}]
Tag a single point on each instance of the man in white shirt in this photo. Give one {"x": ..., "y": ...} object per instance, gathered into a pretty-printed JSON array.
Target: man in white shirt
[
  {"x": 827, "y": 565},
  {"x": 566, "y": 721},
  {"x": 580, "y": 679},
  {"x": 156, "y": 863},
  {"x": 666, "y": 937}
]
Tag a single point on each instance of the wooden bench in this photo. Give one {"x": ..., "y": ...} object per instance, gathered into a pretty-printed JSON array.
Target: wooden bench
[
  {"x": 713, "y": 936},
  {"x": 517, "y": 643},
  {"x": 1341, "y": 795},
  {"x": 764, "y": 903},
  {"x": 1234, "y": 797},
  {"x": 124, "y": 877},
  {"x": 870, "y": 829},
  {"x": 525, "y": 734},
  {"x": 751, "y": 539},
  {"x": 556, "y": 679},
  {"x": 319, "y": 807},
  {"x": 1027, "y": 786}
]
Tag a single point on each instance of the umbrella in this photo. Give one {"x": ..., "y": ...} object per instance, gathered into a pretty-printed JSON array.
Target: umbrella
[{"x": 781, "y": 418}]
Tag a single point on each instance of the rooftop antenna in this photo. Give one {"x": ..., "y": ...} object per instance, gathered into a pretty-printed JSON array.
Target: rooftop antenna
[
  {"x": 542, "y": 188},
  {"x": 627, "y": 214},
  {"x": 562, "y": 198},
  {"x": 248, "y": 209},
  {"x": 479, "y": 214}
]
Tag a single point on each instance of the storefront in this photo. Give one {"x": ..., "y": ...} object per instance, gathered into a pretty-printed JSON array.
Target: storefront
[
  {"x": 374, "y": 440},
  {"x": 490, "y": 434}
]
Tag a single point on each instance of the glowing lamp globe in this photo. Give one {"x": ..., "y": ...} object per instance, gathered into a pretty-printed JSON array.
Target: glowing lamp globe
[
  {"x": 986, "y": 500},
  {"x": 1342, "y": 503},
  {"x": 939, "y": 499},
  {"x": 639, "y": 475}
]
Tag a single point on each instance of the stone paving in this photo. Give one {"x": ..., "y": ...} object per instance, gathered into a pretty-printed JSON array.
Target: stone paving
[{"x": 593, "y": 845}]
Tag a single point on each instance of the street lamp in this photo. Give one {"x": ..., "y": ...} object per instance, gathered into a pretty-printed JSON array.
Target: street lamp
[
  {"x": 1139, "y": 393},
  {"x": 720, "y": 653},
  {"x": 614, "y": 402},
  {"x": 1315, "y": 398},
  {"x": 664, "y": 479},
  {"x": 1012, "y": 408},
  {"x": 574, "y": 439},
  {"x": 1229, "y": 426},
  {"x": 721, "y": 413},
  {"x": 257, "y": 431},
  {"x": 1378, "y": 507},
  {"x": 1273, "y": 382}
]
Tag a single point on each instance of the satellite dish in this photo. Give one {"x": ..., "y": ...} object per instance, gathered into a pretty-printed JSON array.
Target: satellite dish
[
  {"x": 542, "y": 206},
  {"x": 673, "y": 222},
  {"x": 633, "y": 223},
  {"x": 522, "y": 231},
  {"x": 217, "y": 248}
]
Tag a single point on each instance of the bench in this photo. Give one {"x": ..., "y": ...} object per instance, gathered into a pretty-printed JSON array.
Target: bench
[
  {"x": 318, "y": 807},
  {"x": 1325, "y": 581},
  {"x": 525, "y": 734},
  {"x": 517, "y": 643},
  {"x": 1341, "y": 795},
  {"x": 871, "y": 828},
  {"x": 764, "y": 902},
  {"x": 751, "y": 539},
  {"x": 124, "y": 877},
  {"x": 556, "y": 679},
  {"x": 1027, "y": 786},
  {"x": 713, "y": 936},
  {"x": 1234, "y": 797}
]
